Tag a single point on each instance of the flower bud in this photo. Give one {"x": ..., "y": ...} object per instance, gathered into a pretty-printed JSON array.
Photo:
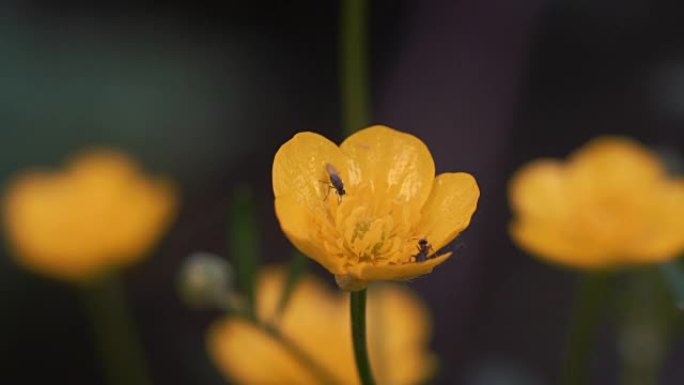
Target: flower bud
[{"x": 206, "y": 280}]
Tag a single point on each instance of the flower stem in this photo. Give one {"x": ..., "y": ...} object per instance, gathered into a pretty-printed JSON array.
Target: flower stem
[
  {"x": 647, "y": 320},
  {"x": 674, "y": 276},
  {"x": 592, "y": 295},
  {"x": 358, "y": 321},
  {"x": 353, "y": 65},
  {"x": 113, "y": 330}
]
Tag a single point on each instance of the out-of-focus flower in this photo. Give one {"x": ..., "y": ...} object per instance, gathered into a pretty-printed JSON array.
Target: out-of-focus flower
[
  {"x": 316, "y": 319},
  {"x": 610, "y": 204},
  {"x": 360, "y": 209},
  {"x": 98, "y": 214}
]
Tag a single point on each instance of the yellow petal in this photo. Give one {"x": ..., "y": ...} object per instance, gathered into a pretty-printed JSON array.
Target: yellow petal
[
  {"x": 614, "y": 164},
  {"x": 99, "y": 214},
  {"x": 449, "y": 209},
  {"x": 538, "y": 190},
  {"x": 299, "y": 169},
  {"x": 403, "y": 271},
  {"x": 399, "y": 332},
  {"x": 549, "y": 242},
  {"x": 317, "y": 319},
  {"x": 299, "y": 224},
  {"x": 662, "y": 237},
  {"x": 43, "y": 231},
  {"x": 247, "y": 355},
  {"x": 395, "y": 166}
]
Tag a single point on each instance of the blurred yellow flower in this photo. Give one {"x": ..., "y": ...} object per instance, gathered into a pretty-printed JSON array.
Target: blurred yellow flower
[
  {"x": 316, "y": 319},
  {"x": 610, "y": 204},
  {"x": 98, "y": 214},
  {"x": 361, "y": 209}
]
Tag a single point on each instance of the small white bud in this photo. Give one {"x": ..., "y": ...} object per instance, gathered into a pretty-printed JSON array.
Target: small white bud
[{"x": 205, "y": 280}]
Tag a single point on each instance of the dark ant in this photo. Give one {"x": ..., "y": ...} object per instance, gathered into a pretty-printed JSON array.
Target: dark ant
[
  {"x": 424, "y": 248},
  {"x": 335, "y": 181}
]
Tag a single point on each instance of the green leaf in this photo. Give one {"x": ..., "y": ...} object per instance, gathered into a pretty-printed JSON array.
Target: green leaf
[
  {"x": 244, "y": 245},
  {"x": 297, "y": 267}
]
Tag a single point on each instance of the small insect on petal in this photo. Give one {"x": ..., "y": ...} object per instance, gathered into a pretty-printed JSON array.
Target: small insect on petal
[
  {"x": 424, "y": 248},
  {"x": 335, "y": 180}
]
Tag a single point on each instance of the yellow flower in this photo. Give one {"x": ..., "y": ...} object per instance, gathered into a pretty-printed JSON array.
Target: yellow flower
[
  {"x": 610, "y": 204},
  {"x": 98, "y": 214},
  {"x": 391, "y": 200},
  {"x": 317, "y": 320}
]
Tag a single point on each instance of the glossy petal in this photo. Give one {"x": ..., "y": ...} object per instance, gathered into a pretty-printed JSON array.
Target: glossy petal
[
  {"x": 299, "y": 169},
  {"x": 395, "y": 165},
  {"x": 449, "y": 208},
  {"x": 404, "y": 271},
  {"x": 300, "y": 226}
]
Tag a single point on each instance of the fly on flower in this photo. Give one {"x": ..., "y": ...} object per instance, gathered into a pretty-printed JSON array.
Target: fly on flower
[
  {"x": 370, "y": 234},
  {"x": 335, "y": 181},
  {"x": 424, "y": 248}
]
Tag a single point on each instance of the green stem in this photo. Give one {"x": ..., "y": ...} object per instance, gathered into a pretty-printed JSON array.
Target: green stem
[
  {"x": 592, "y": 295},
  {"x": 355, "y": 97},
  {"x": 675, "y": 278},
  {"x": 353, "y": 58},
  {"x": 114, "y": 331},
  {"x": 358, "y": 323},
  {"x": 646, "y": 321}
]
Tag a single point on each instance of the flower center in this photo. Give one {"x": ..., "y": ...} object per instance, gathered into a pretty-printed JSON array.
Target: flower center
[{"x": 370, "y": 230}]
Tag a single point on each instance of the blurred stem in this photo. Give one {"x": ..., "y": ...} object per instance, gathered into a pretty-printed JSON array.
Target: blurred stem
[
  {"x": 114, "y": 331},
  {"x": 590, "y": 301},
  {"x": 672, "y": 271},
  {"x": 646, "y": 319},
  {"x": 244, "y": 245},
  {"x": 358, "y": 324},
  {"x": 353, "y": 58},
  {"x": 297, "y": 267}
]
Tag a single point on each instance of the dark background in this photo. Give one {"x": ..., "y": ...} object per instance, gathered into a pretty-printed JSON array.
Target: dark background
[{"x": 207, "y": 92}]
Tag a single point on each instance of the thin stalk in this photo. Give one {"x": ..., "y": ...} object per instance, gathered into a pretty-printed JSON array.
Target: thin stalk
[
  {"x": 592, "y": 295},
  {"x": 114, "y": 331},
  {"x": 355, "y": 97},
  {"x": 353, "y": 58},
  {"x": 646, "y": 323},
  {"x": 358, "y": 323},
  {"x": 674, "y": 276}
]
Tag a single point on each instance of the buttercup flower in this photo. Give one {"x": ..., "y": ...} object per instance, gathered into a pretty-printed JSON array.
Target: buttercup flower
[
  {"x": 316, "y": 319},
  {"x": 610, "y": 204},
  {"x": 98, "y": 214},
  {"x": 391, "y": 200}
]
